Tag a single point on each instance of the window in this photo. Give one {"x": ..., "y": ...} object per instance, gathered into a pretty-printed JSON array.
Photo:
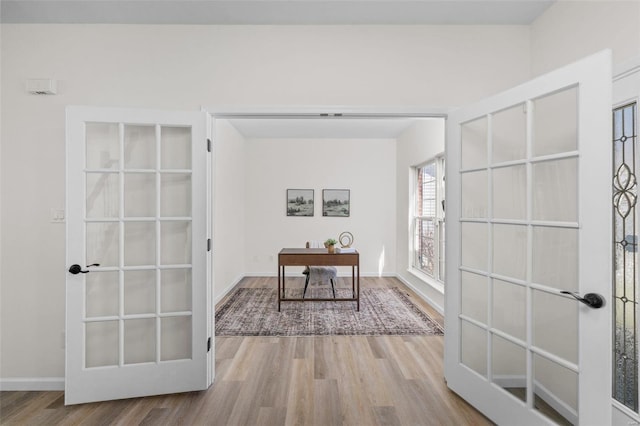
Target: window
[
  {"x": 428, "y": 222},
  {"x": 625, "y": 257}
]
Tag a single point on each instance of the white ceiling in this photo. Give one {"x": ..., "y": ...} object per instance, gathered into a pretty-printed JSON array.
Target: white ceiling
[{"x": 276, "y": 12}]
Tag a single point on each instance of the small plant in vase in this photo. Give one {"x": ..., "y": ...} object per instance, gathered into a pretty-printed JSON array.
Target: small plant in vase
[{"x": 330, "y": 244}]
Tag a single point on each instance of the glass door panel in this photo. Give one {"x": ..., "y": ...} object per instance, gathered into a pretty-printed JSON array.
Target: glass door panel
[
  {"x": 175, "y": 195},
  {"x": 104, "y": 150},
  {"x": 102, "y": 342},
  {"x": 103, "y": 198},
  {"x": 102, "y": 294},
  {"x": 474, "y": 144},
  {"x": 555, "y": 123},
  {"x": 474, "y": 347},
  {"x": 555, "y": 190},
  {"x": 510, "y": 192},
  {"x": 509, "y": 366},
  {"x": 176, "y": 148},
  {"x": 139, "y": 194},
  {"x": 509, "y": 134},
  {"x": 509, "y": 309},
  {"x": 474, "y": 194},
  {"x": 139, "y": 147}
]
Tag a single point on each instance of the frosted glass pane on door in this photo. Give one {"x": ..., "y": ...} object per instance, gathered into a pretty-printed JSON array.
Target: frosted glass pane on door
[
  {"x": 474, "y": 144},
  {"x": 555, "y": 257},
  {"x": 102, "y": 294},
  {"x": 139, "y": 340},
  {"x": 140, "y": 195},
  {"x": 509, "y": 134},
  {"x": 474, "y": 245},
  {"x": 101, "y": 343},
  {"x": 474, "y": 194},
  {"x": 474, "y": 296},
  {"x": 139, "y": 243},
  {"x": 509, "y": 366},
  {"x": 102, "y": 145},
  {"x": 555, "y": 123},
  {"x": 556, "y": 390},
  {"x": 509, "y": 308},
  {"x": 103, "y": 243},
  {"x": 103, "y": 195},
  {"x": 510, "y": 192},
  {"x": 139, "y": 292},
  {"x": 139, "y": 147},
  {"x": 510, "y": 250},
  {"x": 474, "y": 347},
  {"x": 176, "y": 290},
  {"x": 176, "y": 147},
  {"x": 176, "y": 338},
  {"x": 175, "y": 195},
  {"x": 176, "y": 243},
  {"x": 555, "y": 190},
  {"x": 555, "y": 324}
]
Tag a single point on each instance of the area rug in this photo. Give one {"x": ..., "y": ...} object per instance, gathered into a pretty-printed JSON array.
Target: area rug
[{"x": 383, "y": 311}]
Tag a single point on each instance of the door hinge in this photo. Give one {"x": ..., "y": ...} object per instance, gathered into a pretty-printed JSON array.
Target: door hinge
[
  {"x": 208, "y": 145},
  {"x": 209, "y": 344},
  {"x": 208, "y": 244}
]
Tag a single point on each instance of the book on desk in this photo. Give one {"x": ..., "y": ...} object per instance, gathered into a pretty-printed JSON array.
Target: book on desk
[{"x": 345, "y": 250}]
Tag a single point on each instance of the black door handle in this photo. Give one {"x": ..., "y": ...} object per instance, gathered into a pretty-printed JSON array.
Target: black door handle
[
  {"x": 592, "y": 300},
  {"x": 77, "y": 269}
]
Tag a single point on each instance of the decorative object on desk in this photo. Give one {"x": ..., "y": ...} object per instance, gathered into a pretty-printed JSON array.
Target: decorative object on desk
[
  {"x": 346, "y": 250},
  {"x": 384, "y": 311},
  {"x": 300, "y": 202},
  {"x": 346, "y": 239},
  {"x": 330, "y": 244},
  {"x": 336, "y": 202}
]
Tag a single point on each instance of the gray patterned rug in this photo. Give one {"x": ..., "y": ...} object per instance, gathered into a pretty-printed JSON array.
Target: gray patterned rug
[{"x": 383, "y": 311}]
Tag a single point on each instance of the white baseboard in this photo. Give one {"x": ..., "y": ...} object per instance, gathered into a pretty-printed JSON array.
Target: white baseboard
[
  {"x": 423, "y": 296},
  {"x": 227, "y": 290},
  {"x": 32, "y": 384}
]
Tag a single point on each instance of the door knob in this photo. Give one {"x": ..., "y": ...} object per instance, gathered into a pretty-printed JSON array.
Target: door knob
[
  {"x": 77, "y": 269},
  {"x": 592, "y": 300}
]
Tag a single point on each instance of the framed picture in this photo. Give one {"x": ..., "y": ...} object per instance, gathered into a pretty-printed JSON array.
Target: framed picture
[
  {"x": 336, "y": 202},
  {"x": 300, "y": 202}
]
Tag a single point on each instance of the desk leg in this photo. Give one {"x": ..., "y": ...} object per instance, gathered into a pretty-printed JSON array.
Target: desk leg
[
  {"x": 279, "y": 288},
  {"x": 353, "y": 281},
  {"x": 358, "y": 290}
]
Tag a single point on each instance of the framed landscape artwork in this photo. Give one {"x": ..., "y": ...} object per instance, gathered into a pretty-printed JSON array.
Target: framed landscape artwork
[
  {"x": 336, "y": 202},
  {"x": 300, "y": 202}
]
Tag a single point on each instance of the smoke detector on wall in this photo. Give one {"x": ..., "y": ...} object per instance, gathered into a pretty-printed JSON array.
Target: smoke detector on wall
[{"x": 42, "y": 86}]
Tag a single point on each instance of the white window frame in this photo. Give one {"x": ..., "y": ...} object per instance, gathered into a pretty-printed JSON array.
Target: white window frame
[{"x": 439, "y": 219}]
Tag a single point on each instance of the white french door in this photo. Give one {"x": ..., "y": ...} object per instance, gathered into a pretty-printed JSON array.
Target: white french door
[
  {"x": 137, "y": 254},
  {"x": 529, "y": 216}
]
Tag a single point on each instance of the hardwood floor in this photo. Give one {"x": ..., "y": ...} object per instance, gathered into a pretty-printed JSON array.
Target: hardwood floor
[{"x": 319, "y": 380}]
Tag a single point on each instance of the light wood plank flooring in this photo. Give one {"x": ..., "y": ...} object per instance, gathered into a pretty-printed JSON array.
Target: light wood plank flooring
[{"x": 321, "y": 380}]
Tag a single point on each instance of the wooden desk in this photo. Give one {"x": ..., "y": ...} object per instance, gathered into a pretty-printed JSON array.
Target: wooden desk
[{"x": 318, "y": 257}]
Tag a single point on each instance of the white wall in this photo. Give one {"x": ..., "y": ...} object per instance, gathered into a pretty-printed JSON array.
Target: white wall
[
  {"x": 366, "y": 167},
  {"x": 230, "y": 174},
  {"x": 570, "y": 30},
  {"x": 421, "y": 142},
  {"x": 184, "y": 67}
]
